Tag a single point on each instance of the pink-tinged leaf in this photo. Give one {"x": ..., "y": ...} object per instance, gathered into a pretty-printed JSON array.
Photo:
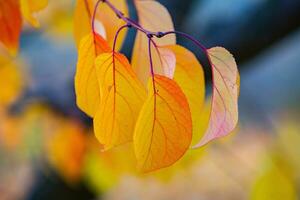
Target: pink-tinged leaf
[
  {"x": 224, "y": 110},
  {"x": 167, "y": 61},
  {"x": 164, "y": 61}
]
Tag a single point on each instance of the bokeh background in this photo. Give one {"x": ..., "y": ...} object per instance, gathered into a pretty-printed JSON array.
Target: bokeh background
[{"x": 47, "y": 148}]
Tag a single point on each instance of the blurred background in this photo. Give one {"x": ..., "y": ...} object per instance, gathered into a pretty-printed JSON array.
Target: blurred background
[{"x": 47, "y": 147}]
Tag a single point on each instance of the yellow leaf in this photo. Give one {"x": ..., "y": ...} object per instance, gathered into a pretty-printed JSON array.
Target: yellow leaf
[
  {"x": 122, "y": 96},
  {"x": 190, "y": 77},
  {"x": 82, "y": 19},
  {"x": 154, "y": 17},
  {"x": 11, "y": 23},
  {"x": 10, "y": 82},
  {"x": 163, "y": 132},
  {"x": 224, "y": 111},
  {"x": 30, "y": 7},
  {"x": 106, "y": 23},
  {"x": 86, "y": 81},
  {"x": 60, "y": 23}
]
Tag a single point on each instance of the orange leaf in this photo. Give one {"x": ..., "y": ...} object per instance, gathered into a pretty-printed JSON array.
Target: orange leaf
[
  {"x": 224, "y": 110},
  {"x": 122, "y": 96},
  {"x": 31, "y": 7},
  {"x": 86, "y": 81},
  {"x": 163, "y": 132},
  {"x": 154, "y": 17},
  {"x": 11, "y": 23},
  {"x": 66, "y": 149},
  {"x": 190, "y": 77}
]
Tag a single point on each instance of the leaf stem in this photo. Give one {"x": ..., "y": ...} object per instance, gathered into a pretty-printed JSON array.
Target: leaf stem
[
  {"x": 151, "y": 63},
  {"x": 117, "y": 34},
  {"x": 195, "y": 41},
  {"x": 150, "y": 34},
  {"x": 86, "y": 5},
  {"x": 128, "y": 20},
  {"x": 113, "y": 55},
  {"x": 137, "y": 26},
  {"x": 150, "y": 55},
  {"x": 94, "y": 15}
]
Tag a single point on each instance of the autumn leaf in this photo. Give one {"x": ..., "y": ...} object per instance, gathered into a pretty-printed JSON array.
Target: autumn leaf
[
  {"x": 224, "y": 111},
  {"x": 154, "y": 17},
  {"x": 106, "y": 22},
  {"x": 66, "y": 149},
  {"x": 29, "y": 8},
  {"x": 82, "y": 19},
  {"x": 164, "y": 61},
  {"x": 190, "y": 77},
  {"x": 10, "y": 82},
  {"x": 86, "y": 81},
  {"x": 163, "y": 132},
  {"x": 122, "y": 96},
  {"x": 11, "y": 23},
  {"x": 167, "y": 62}
]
